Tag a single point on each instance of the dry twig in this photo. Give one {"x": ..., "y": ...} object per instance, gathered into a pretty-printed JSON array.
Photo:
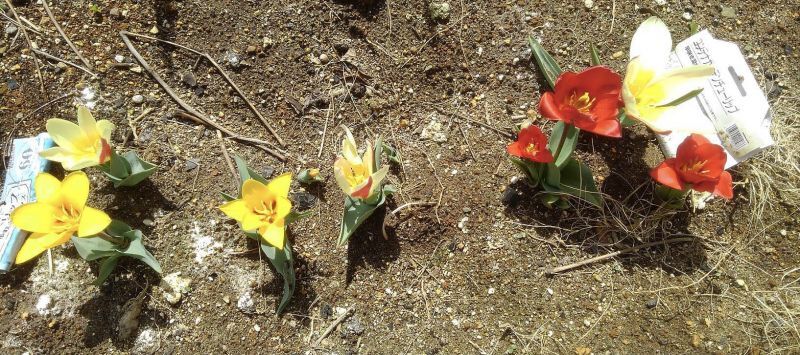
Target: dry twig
[
  {"x": 333, "y": 326},
  {"x": 64, "y": 36},
  {"x": 563, "y": 268}
]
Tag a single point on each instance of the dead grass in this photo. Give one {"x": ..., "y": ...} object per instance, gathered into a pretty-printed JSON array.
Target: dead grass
[{"x": 773, "y": 176}]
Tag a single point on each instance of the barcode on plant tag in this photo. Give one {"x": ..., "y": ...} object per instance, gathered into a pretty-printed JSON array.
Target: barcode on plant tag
[{"x": 735, "y": 137}]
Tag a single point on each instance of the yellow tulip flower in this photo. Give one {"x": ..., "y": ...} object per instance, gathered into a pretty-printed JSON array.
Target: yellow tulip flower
[
  {"x": 263, "y": 208},
  {"x": 79, "y": 145},
  {"x": 59, "y": 212},
  {"x": 648, "y": 86},
  {"x": 356, "y": 175}
]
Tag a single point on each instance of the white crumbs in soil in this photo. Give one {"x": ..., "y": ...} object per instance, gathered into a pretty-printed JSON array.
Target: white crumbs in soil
[
  {"x": 204, "y": 244},
  {"x": 146, "y": 342},
  {"x": 43, "y": 304}
]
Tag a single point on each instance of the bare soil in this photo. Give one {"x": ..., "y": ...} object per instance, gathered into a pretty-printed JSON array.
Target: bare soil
[{"x": 466, "y": 276}]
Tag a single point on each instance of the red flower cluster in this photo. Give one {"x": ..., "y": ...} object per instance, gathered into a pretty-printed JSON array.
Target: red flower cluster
[
  {"x": 699, "y": 165},
  {"x": 589, "y": 100},
  {"x": 531, "y": 144}
]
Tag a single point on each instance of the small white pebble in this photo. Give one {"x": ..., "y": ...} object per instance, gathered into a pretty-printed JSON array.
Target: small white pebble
[{"x": 491, "y": 290}]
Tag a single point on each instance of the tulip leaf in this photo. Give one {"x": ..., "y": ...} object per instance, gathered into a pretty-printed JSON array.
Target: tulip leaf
[
  {"x": 106, "y": 267},
  {"x": 295, "y": 216},
  {"x": 121, "y": 240},
  {"x": 127, "y": 169},
  {"x": 307, "y": 177},
  {"x": 624, "y": 120},
  {"x": 595, "y": 57},
  {"x": 670, "y": 197},
  {"x": 577, "y": 180},
  {"x": 246, "y": 173},
  {"x": 553, "y": 176},
  {"x": 693, "y": 28},
  {"x": 532, "y": 170},
  {"x": 393, "y": 154},
  {"x": 545, "y": 62},
  {"x": 569, "y": 134},
  {"x": 228, "y": 198},
  {"x": 357, "y": 211},
  {"x": 378, "y": 153},
  {"x": 283, "y": 262},
  {"x": 690, "y": 95}
]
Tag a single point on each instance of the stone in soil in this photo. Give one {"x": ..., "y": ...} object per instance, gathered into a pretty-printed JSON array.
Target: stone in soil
[
  {"x": 352, "y": 327},
  {"x": 434, "y": 131},
  {"x": 246, "y": 304},
  {"x": 137, "y": 99},
  {"x": 189, "y": 79},
  {"x": 12, "y": 84},
  {"x": 439, "y": 11},
  {"x": 173, "y": 286},
  {"x": 303, "y": 200}
]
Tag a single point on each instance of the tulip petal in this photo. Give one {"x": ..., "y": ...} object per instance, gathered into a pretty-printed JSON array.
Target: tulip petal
[
  {"x": 75, "y": 189},
  {"x": 105, "y": 128},
  {"x": 274, "y": 234},
  {"x": 36, "y": 244},
  {"x": 652, "y": 43},
  {"x": 254, "y": 192},
  {"x": 549, "y": 109},
  {"x": 280, "y": 185},
  {"x": 37, "y": 217},
  {"x": 87, "y": 122},
  {"x": 363, "y": 190},
  {"x": 666, "y": 174},
  {"x": 283, "y": 206},
  {"x": 349, "y": 147},
  {"x": 235, "y": 209},
  {"x": 251, "y": 221},
  {"x": 93, "y": 221},
  {"x": 46, "y": 187},
  {"x": 608, "y": 128},
  {"x": 338, "y": 171},
  {"x": 377, "y": 179},
  {"x": 64, "y": 133},
  {"x": 369, "y": 159},
  {"x": 724, "y": 187},
  {"x": 676, "y": 83}
]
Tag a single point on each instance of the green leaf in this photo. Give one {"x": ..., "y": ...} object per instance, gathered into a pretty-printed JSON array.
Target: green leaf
[
  {"x": 94, "y": 248},
  {"x": 624, "y": 120},
  {"x": 106, "y": 267},
  {"x": 546, "y": 63},
  {"x": 355, "y": 213},
  {"x": 295, "y": 216},
  {"x": 283, "y": 262},
  {"x": 227, "y": 197},
  {"x": 595, "y": 57},
  {"x": 690, "y": 95},
  {"x": 241, "y": 167},
  {"x": 128, "y": 169},
  {"x": 532, "y": 170},
  {"x": 552, "y": 176},
  {"x": 392, "y": 154},
  {"x": 389, "y": 190},
  {"x": 570, "y": 141},
  {"x": 670, "y": 197},
  {"x": 577, "y": 180}
]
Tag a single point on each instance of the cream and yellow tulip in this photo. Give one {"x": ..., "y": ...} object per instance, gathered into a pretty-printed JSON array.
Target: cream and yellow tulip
[
  {"x": 80, "y": 145},
  {"x": 263, "y": 209},
  {"x": 648, "y": 86},
  {"x": 59, "y": 212},
  {"x": 356, "y": 175}
]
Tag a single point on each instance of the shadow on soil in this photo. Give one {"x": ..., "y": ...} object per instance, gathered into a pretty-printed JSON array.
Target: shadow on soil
[
  {"x": 629, "y": 218},
  {"x": 104, "y": 310},
  {"x": 367, "y": 247}
]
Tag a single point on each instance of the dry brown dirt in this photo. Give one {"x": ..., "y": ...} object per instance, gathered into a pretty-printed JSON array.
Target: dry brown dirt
[{"x": 432, "y": 286}]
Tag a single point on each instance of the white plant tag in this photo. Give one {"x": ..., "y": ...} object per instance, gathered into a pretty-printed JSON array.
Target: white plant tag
[{"x": 732, "y": 104}]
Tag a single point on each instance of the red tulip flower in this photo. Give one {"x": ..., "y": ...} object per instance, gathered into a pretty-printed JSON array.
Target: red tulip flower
[
  {"x": 699, "y": 165},
  {"x": 588, "y": 100},
  {"x": 531, "y": 144}
]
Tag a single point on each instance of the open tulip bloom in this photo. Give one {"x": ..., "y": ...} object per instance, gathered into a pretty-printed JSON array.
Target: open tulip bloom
[
  {"x": 698, "y": 165},
  {"x": 263, "y": 211},
  {"x": 588, "y": 100},
  {"x": 361, "y": 179},
  {"x": 60, "y": 213},
  {"x": 87, "y": 144},
  {"x": 650, "y": 90}
]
